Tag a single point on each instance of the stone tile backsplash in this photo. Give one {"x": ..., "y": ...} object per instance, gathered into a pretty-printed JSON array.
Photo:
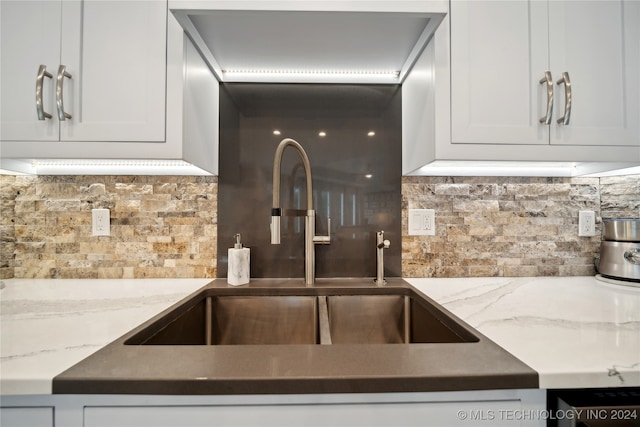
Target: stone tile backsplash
[
  {"x": 510, "y": 226},
  {"x": 161, "y": 226},
  {"x": 620, "y": 197},
  {"x": 166, "y": 226}
]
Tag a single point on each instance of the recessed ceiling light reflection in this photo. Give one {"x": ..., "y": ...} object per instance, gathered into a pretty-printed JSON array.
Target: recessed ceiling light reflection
[
  {"x": 371, "y": 133},
  {"x": 368, "y": 176},
  {"x": 322, "y": 134},
  {"x": 276, "y": 132}
]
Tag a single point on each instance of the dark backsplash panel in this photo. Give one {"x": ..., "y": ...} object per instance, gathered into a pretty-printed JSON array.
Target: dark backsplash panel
[{"x": 358, "y": 204}]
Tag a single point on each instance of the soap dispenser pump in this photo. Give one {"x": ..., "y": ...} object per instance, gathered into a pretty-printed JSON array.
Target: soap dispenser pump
[{"x": 239, "y": 263}]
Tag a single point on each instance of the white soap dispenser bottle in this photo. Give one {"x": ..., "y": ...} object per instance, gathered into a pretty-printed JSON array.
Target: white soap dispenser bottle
[{"x": 239, "y": 262}]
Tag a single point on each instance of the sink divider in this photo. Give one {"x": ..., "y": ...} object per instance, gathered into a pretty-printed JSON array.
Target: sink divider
[
  {"x": 323, "y": 317},
  {"x": 208, "y": 325},
  {"x": 407, "y": 320}
]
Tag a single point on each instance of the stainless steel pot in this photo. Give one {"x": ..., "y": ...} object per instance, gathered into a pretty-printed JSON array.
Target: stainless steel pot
[
  {"x": 620, "y": 260},
  {"x": 621, "y": 230}
]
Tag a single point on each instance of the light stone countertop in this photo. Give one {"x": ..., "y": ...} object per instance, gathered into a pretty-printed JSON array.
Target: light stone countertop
[
  {"x": 48, "y": 325},
  {"x": 576, "y": 332}
]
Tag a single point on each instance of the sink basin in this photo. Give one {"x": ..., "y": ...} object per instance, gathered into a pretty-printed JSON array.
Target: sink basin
[
  {"x": 276, "y": 336},
  {"x": 390, "y": 319},
  {"x": 222, "y": 320},
  {"x": 320, "y": 315}
]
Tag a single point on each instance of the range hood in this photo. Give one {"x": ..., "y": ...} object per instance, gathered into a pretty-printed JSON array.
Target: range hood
[{"x": 304, "y": 41}]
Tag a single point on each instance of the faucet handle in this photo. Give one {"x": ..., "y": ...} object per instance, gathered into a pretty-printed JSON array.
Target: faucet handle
[
  {"x": 324, "y": 240},
  {"x": 275, "y": 226},
  {"x": 381, "y": 242}
]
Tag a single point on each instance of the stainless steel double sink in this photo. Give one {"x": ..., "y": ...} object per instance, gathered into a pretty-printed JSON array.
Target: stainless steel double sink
[{"x": 325, "y": 314}]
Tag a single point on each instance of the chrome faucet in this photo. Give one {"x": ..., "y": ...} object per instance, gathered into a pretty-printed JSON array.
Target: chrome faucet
[
  {"x": 381, "y": 245},
  {"x": 310, "y": 238}
]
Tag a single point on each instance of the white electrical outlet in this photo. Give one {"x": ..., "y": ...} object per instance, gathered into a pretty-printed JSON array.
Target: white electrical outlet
[
  {"x": 422, "y": 222},
  {"x": 586, "y": 223},
  {"x": 101, "y": 222}
]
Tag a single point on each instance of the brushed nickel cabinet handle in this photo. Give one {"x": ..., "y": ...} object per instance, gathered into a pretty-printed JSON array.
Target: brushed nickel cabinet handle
[
  {"x": 564, "y": 120},
  {"x": 549, "y": 81},
  {"x": 62, "y": 73},
  {"x": 42, "y": 73}
]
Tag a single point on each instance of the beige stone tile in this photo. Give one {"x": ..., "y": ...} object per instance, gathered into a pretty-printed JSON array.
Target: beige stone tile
[{"x": 167, "y": 226}]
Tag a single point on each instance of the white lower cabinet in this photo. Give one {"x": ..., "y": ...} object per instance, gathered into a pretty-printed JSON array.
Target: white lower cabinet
[
  {"x": 26, "y": 416},
  {"x": 525, "y": 408},
  {"x": 434, "y": 413}
]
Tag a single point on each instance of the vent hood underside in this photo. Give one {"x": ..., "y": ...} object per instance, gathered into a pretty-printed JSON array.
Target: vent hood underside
[{"x": 313, "y": 44}]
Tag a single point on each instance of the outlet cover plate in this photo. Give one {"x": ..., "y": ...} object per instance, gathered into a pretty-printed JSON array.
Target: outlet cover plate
[
  {"x": 422, "y": 222},
  {"x": 586, "y": 223},
  {"x": 100, "y": 222}
]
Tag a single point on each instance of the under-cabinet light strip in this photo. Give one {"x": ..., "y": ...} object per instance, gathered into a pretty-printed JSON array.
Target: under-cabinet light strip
[
  {"x": 114, "y": 167},
  {"x": 390, "y": 73},
  {"x": 107, "y": 162}
]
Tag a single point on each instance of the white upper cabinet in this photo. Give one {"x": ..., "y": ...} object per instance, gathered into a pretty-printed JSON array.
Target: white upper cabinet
[
  {"x": 498, "y": 54},
  {"x": 113, "y": 84},
  {"x": 116, "y": 54},
  {"x": 597, "y": 43},
  {"x": 508, "y": 61},
  {"x": 136, "y": 93},
  {"x": 30, "y": 36},
  {"x": 488, "y": 96}
]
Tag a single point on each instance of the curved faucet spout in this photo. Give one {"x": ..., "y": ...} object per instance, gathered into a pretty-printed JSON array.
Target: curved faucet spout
[
  {"x": 310, "y": 239},
  {"x": 277, "y": 160},
  {"x": 276, "y": 211}
]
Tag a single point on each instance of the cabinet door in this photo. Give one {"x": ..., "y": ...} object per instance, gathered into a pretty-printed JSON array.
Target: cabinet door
[
  {"x": 465, "y": 413},
  {"x": 115, "y": 52},
  {"x": 26, "y": 417},
  {"x": 498, "y": 56},
  {"x": 30, "y": 35},
  {"x": 598, "y": 44}
]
